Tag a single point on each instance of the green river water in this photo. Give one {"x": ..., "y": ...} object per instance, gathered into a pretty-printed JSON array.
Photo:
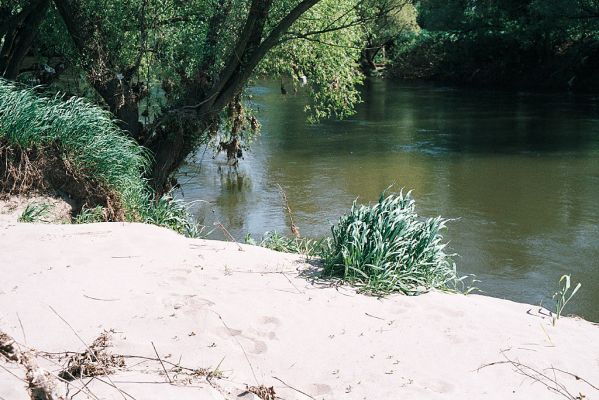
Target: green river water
[{"x": 518, "y": 171}]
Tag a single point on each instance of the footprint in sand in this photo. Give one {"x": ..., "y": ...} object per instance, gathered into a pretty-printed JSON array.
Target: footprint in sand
[
  {"x": 266, "y": 320},
  {"x": 274, "y": 323},
  {"x": 259, "y": 345},
  {"x": 441, "y": 387},
  {"x": 188, "y": 304},
  {"x": 320, "y": 389}
]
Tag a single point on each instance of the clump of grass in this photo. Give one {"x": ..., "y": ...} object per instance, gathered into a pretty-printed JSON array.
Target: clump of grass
[
  {"x": 173, "y": 214},
  {"x": 385, "y": 247},
  {"x": 90, "y": 215},
  {"x": 34, "y": 212},
  {"x": 284, "y": 244},
  {"x": 104, "y": 167}
]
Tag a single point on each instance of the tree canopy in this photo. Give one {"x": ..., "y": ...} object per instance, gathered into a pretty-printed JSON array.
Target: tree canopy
[
  {"x": 504, "y": 42},
  {"x": 174, "y": 72}
]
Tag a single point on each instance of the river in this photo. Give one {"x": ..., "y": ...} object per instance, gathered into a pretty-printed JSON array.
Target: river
[{"x": 519, "y": 173}]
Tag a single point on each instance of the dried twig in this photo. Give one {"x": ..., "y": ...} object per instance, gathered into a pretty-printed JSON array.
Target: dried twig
[
  {"x": 22, "y": 329},
  {"x": 161, "y": 363},
  {"x": 291, "y": 387},
  {"x": 291, "y": 282},
  {"x": 577, "y": 377},
  {"x": 97, "y": 298},
  {"x": 221, "y": 226},
  {"x": 87, "y": 348},
  {"x": 238, "y": 343},
  {"x": 374, "y": 316},
  {"x": 551, "y": 383}
]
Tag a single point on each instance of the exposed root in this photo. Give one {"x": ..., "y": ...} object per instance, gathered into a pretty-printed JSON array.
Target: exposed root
[
  {"x": 40, "y": 383},
  {"x": 46, "y": 171}
]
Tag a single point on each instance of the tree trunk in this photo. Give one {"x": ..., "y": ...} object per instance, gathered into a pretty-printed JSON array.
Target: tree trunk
[
  {"x": 172, "y": 139},
  {"x": 123, "y": 100},
  {"x": 19, "y": 33}
]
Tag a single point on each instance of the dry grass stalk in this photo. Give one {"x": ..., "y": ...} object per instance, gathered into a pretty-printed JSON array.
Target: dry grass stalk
[{"x": 294, "y": 229}]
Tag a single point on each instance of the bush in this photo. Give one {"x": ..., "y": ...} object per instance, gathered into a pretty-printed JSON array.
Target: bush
[{"x": 386, "y": 247}]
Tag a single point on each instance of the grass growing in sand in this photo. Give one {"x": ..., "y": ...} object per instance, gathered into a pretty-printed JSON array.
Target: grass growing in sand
[
  {"x": 385, "y": 247},
  {"x": 89, "y": 215},
  {"x": 84, "y": 143},
  {"x": 35, "y": 212},
  {"x": 563, "y": 296},
  {"x": 277, "y": 242}
]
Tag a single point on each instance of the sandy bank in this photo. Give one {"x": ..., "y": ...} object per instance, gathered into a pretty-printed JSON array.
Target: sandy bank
[{"x": 261, "y": 319}]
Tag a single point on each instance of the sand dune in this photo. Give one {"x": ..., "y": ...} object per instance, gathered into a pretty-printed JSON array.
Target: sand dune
[{"x": 259, "y": 318}]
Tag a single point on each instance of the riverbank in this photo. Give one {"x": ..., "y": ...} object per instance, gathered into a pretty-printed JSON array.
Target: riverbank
[{"x": 247, "y": 316}]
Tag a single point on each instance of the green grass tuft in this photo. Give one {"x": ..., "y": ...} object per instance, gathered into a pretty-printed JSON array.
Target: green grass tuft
[
  {"x": 35, "y": 212},
  {"x": 385, "y": 247},
  {"x": 90, "y": 215},
  {"x": 173, "y": 214}
]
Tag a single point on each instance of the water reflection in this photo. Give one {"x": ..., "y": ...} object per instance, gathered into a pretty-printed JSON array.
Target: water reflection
[{"x": 519, "y": 172}]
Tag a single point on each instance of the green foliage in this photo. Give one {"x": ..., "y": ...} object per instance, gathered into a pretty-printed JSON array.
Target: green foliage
[
  {"x": 179, "y": 48},
  {"x": 172, "y": 214},
  {"x": 35, "y": 212},
  {"x": 563, "y": 296},
  {"x": 388, "y": 20},
  {"x": 90, "y": 215},
  {"x": 327, "y": 60},
  {"x": 385, "y": 248},
  {"x": 509, "y": 43}
]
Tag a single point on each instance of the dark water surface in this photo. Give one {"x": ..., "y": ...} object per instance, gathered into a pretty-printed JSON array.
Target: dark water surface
[{"x": 520, "y": 171}]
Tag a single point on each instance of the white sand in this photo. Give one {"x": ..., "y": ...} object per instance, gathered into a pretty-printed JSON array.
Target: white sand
[{"x": 207, "y": 302}]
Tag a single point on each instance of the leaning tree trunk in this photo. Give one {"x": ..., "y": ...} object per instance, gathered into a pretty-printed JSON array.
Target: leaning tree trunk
[
  {"x": 175, "y": 135},
  {"x": 18, "y": 33},
  {"x": 171, "y": 140}
]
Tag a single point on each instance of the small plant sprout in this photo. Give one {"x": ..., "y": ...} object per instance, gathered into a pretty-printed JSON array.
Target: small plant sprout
[
  {"x": 563, "y": 296},
  {"x": 35, "y": 212}
]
